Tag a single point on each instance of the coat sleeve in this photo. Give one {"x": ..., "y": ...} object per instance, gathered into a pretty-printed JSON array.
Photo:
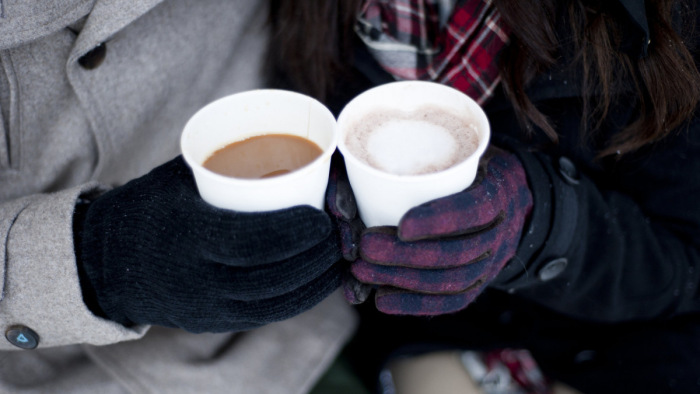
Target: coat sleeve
[
  {"x": 39, "y": 278},
  {"x": 615, "y": 245}
]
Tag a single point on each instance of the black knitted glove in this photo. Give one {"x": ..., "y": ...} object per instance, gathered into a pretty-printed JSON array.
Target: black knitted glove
[{"x": 153, "y": 252}]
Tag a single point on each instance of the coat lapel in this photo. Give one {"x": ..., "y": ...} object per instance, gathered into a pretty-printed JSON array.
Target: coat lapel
[
  {"x": 23, "y": 21},
  {"x": 637, "y": 12},
  {"x": 108, "y": 17}
]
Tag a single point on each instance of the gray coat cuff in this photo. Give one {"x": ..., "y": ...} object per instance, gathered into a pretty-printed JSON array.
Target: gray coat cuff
[{"x": 39, "y": 283}]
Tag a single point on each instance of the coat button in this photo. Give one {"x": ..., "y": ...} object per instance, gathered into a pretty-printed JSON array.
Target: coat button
[
  {"x": 22, "y": 337},
  {"x": 552, "y": 269},
  {"x": 94, "y": 57},
  {"x": 568, "y": 171}
]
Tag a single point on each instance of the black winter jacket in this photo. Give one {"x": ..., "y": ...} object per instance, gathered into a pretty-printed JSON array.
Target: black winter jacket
[{"x": 608, "y": 241}]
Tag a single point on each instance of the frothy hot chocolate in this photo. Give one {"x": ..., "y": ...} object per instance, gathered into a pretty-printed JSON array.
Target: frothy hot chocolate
[{"x": 426, "y": 140}]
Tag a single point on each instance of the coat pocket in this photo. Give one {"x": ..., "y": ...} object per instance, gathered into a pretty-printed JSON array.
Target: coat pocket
[{"x": 9, "y": 129}]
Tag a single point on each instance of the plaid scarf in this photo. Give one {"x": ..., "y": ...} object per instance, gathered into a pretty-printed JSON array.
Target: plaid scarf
[{"x": 412, "y": 39}]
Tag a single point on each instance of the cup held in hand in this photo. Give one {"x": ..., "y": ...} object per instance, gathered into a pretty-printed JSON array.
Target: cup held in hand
[
  {"x": 409, "y": 142},
  {"x": 249, "y": 114}
]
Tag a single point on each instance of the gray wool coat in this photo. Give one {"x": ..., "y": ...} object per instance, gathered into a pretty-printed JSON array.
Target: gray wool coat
[{"x": 68, "y": 129}]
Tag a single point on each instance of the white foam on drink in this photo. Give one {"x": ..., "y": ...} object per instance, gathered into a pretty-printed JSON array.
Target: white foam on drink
[
  {"x": 426, "y": 140},
  {"x": 405, "y": 147}
]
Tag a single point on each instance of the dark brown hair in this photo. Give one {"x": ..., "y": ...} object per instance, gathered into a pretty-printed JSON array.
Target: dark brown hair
[
  {"x": 310, "y": 47},
  {"x": 666, "y": 80},
  {"x": 311, "y": 43}
]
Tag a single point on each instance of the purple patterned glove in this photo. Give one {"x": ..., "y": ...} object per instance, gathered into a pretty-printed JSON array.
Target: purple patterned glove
[
  {"x": 343, "y": 209},
  {"x": 446, "y": 251}
]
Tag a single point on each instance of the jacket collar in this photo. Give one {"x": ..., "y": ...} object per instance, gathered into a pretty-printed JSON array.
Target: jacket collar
[
  {"x": 638, "y": 43},
  {"x": 24, "y": 21},
  {"x": 106, "y": 18}
]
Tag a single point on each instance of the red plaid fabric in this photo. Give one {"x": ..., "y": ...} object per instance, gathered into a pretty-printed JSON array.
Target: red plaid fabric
[
  {"x": 408, "y": 39},
  {"x": 512, "y": 371}
]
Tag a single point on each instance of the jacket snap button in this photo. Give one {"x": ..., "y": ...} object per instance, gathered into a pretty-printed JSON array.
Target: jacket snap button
[
  {"x": 568, "y": 171},
  {"x": 93, "y": 58},
  {"x": 22, "y": 337},
  {"x": 552, "y": 269}
]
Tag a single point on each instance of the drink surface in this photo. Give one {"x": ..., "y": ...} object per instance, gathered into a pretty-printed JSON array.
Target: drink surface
[
  {"x": 263, "y": 156},
  {"x": 426, "y": 140}
]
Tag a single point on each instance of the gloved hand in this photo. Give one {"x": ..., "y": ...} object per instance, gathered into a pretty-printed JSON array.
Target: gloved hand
[
  {"x": 343, "y": 208},
  {"x": 446, "y": 251},
  {"x": 153, "y": 252}
]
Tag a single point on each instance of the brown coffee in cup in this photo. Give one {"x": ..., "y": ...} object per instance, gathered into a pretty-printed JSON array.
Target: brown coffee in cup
[{"x": 263, "y": 156}]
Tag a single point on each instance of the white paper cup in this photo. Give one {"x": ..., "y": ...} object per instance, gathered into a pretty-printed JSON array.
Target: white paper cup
[
  {"x": 383, "y": 198},
  {"x": 252, "y": 113}
]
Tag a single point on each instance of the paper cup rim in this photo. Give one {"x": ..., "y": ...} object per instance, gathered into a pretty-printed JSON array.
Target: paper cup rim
[
  {"x": 447, "y": 172},
  {"x": 299, "y": 172}
]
